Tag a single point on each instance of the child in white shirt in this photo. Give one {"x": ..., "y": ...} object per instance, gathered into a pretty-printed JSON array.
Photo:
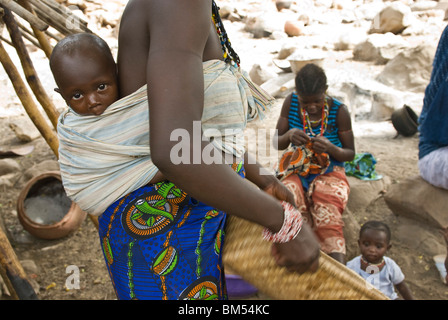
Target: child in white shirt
[{"x": 380, "y": 271}]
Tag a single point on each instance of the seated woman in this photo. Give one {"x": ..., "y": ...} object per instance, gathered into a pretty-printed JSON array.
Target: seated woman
[
  {"x": 317, "y": 133},
  {"x": 433, "y": 145}
]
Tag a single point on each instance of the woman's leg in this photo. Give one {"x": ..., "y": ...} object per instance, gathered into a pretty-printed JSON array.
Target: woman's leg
[
  {"x": 294, "y": 184},
  {"x": 434, "y": 168},
  {"x": 328, "y": 195}
]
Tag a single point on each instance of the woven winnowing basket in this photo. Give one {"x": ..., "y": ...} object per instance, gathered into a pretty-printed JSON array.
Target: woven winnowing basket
[{"x": 248, "y": 255}]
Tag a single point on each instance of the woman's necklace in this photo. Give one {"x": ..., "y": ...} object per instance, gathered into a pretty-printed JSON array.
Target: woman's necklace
[
  {"x": 308, "y": 124},
  {"x": 228, "y": 53}
]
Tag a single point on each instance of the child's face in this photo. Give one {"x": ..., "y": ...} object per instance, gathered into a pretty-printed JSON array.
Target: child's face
[
  {"x": 373, "y": 245},
  {"x": 88, "y": 84},
  {"x": 313, "y": 104}
]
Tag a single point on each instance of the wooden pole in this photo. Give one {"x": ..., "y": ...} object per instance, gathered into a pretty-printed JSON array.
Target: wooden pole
[
  {"x": 8, "y": 283},
  {"x": 64, "y": 11},
  {"x": 25, "y": 14},
  {"x": 13, "y": 271},
  {"x": 65, "y": 22},
  {"x": 40, "y": 36},
  {"x": 28, "y": 68},
  {"x": 29, "y": 36},
  {"x": 28, "y": 102}
]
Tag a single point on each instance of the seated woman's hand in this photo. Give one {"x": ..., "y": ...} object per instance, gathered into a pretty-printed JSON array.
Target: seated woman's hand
[
  {"x": 298, "y": 137},
  {"x": 321, "y": 144}
]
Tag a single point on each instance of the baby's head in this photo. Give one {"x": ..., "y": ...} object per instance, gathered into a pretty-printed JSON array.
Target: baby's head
[
  {"x": 85, "y": 72},
  {"x": 374, "y": 240}
]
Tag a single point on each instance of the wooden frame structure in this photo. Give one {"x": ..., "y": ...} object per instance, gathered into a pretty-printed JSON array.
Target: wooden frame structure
[{"x": 47, "y": 19}]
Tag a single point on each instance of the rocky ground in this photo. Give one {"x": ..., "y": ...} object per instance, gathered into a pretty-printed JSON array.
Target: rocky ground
[{"x": 373, "y": 86}]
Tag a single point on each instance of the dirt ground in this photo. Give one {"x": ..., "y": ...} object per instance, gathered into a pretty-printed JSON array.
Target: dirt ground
[{"x": 396, "y": 156}]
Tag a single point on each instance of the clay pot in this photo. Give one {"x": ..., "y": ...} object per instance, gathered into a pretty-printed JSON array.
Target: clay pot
[
  {"x": 405, "y": 121},
  {"x": 59, "y": 219}
]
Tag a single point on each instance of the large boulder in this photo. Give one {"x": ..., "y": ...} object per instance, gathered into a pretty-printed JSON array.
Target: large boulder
[
  {"x": 410, "y": 70},
  {"x": 363, "y": 192},
  {"x": 351, "y": 234},
  {"x": 415, "y": 198},
  {"x": 379, "y": 48},
  {"x": 394, "y": 18}
]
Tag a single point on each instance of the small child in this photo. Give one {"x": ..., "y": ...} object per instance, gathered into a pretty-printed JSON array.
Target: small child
[
  {"x": 372, "y": 264},
  {"x": 85, "y": 72},
  {"x": 86, "y": 75}
]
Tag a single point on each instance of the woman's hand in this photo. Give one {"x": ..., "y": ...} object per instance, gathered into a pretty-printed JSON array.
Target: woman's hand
[
  {"x": 279, "y": 191},
  {"x": 298, "y": 137},
  {"x": 321, "y": 144},
  {"x": 299, "y": 255}
]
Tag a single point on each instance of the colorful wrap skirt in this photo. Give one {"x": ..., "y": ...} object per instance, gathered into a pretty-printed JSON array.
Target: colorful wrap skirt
[
  {"x": 322, "y": 205},
  {"x": 159, "y": 243}
]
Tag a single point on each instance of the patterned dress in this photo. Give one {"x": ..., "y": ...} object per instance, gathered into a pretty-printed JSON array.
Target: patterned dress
[{"x": 161, "y": 244}]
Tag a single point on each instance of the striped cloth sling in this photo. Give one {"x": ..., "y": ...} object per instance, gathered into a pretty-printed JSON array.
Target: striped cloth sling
[{"x": 103, "y": 158}]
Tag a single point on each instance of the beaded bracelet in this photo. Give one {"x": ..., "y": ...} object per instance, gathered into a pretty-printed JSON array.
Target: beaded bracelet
[{"x": 292, "y": 224}]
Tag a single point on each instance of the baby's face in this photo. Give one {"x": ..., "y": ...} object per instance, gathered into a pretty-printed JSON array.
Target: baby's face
[
  {"x": 373, "y": 245},
  {"x": 88, "y": 84}
]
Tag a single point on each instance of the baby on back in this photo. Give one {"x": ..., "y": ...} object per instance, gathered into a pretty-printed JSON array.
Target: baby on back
[{"x": 85, "y": 73}]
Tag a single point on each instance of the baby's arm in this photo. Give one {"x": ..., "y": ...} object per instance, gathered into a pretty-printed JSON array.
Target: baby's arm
[{"x": 404, "y": 291}]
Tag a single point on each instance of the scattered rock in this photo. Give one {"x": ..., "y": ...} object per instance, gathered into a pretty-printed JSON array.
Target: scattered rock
[
  {"x": 258, "y": 26},
  {"x": 349, "y": 40},
  {"x": 363, "y": 192},
  {"x": 24, "y": 129},
  {"x": 280, "y": 86},
  {"x": 351, "y": 234},
  {"x": 294, "y": 28},
  {"x": 384, "y": 104},
  {"x": 260, "y": 75},
  {"x": 8, "y": 166},
  {"x": 423, "y": 5},
  {"x": 407, "y": 232},
  {"x": 379, "y": 48},
  {"x": 282, "y": 4},
  {"x": 415, "y": 198},
  {"x": 394, "y": 18},
  {"x": 410, "y": 70},
  {"x": 443, "y": 6},
  {"x": 29, "y": 266}
]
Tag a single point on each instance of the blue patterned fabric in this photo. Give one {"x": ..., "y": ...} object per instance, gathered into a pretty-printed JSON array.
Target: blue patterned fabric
[
  {"x": 161, "y": 244},
  {"x": 433, "y": 120}
]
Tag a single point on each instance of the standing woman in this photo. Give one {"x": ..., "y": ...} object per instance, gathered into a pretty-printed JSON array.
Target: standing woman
[
  {"x": 164, "y": 240},
  {"x": 317, "y": 133}
]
